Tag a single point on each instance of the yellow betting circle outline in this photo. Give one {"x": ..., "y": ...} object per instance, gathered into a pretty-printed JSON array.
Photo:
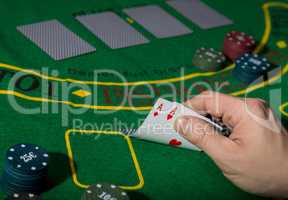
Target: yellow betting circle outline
[
  {"x": 263, "y": 42},
  {"x": 115, "y": 133}
]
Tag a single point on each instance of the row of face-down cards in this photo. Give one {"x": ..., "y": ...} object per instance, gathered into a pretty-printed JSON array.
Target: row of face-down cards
[{"x": 61, "y": 43}]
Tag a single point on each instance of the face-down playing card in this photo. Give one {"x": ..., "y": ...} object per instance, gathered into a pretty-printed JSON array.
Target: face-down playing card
[
  {"x": 200, "y": 13},
  {"x": 112, "y": 30},
  {"x": 55, "y": 39},
  {"x": 157, "y": 21}
]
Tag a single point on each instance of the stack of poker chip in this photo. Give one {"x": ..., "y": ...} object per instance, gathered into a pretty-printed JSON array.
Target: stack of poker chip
[
  {"x": 238, "y": 43},
  {"x": 208, "y": 59},
  {"x": 249, "y": 67},
  {"x": 25, "y": 170},
  {"x": 106, "y": 191}
]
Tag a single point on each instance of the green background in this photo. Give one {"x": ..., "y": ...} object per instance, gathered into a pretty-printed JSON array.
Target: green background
[{"x": 169, "y": 173}]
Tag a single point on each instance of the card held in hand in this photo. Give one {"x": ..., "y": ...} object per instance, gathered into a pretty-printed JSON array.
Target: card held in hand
[{"x": 159, "y": 125}]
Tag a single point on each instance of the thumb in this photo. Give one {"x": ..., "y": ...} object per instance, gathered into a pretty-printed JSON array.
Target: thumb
[{"x": 203, "y": 135}]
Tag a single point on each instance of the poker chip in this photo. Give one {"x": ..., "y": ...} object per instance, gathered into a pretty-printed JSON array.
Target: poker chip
[
  {"x": 104, "y": 191},
  {"x": 222, "y": 128},
  {"x": 238, "y": 43},
  {"x": 249, "y": 67},
  {"x": 208, "y": 59},
  {"x": 25, "y": 169},
  {"x": 23, "y": 196}
]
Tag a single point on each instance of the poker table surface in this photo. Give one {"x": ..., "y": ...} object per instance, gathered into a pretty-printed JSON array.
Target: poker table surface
[{"x": 75, "y": 107}]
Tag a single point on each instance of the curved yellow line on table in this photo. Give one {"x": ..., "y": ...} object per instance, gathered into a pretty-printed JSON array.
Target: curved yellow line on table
[
  {"x": 94, "y": 107},
  {"x": 114, "y": 133},
  {"x": 151, "y": 82},
  {"x": 283, "y": 108},
  {"x": 263, "y": 42},
  {"x": 129, "y": 108},
  {"x": 261, "y": 45}
]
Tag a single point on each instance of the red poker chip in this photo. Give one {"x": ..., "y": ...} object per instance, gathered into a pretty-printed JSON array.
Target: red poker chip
[
  {"x": 241, "y": 39},
  {"x": 237, "y": 44},
  {"x": 234, "y": 53}
]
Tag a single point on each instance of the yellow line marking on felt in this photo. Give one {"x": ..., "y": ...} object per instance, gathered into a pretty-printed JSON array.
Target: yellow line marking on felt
[
  {"x": 152, "y": 82},
  {"x": 129, "y": 108},
  {"x": 262, "y": 84},
  {"x": 261, "y": 45},
  {"x": 129, "y": 20},
  {"x": 281, "y": 44},
  {"x": 283, "y": 108},
  {"x": 263, "y": 42},
  {"x": 82, "y": 93},
  {"x": 252, "y": 88},
  {"x": 115, "y": 133},
  {"x": 37, "y": 99},
  {"x": 129, "y": 142}
]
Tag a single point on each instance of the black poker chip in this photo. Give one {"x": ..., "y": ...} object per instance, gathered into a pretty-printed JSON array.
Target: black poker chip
[
  {"x": 222, "y": 128},
  {"x": 25, "y": 169},
  {"x": 23, "y": 196},
  {"x": 104, "y": 191},
  {"x": 27, "y": 158}
]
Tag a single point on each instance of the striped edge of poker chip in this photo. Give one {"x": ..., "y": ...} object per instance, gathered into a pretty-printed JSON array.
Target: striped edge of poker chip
[
  {"x": 102, "y": 191},
  {"x": 23, "y": 196},
  {"x": 28, "y": 158},
  {"x": 244, "y": 77}
]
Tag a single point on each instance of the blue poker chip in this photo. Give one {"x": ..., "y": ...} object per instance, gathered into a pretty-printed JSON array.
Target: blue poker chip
[
  {"x": 27, "y": 158},
  {"x": 253, "y": 64},
  {"x": 249, "y": 67}
]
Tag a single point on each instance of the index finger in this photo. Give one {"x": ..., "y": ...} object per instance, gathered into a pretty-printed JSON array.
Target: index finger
[{"x": 229, "y": 108}]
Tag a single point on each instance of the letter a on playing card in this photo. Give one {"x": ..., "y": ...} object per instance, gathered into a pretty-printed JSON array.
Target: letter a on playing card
[{"x": 158, "y": 110}]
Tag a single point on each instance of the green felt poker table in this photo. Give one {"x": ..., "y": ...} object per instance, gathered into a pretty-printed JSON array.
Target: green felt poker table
[{"x": 75, "y": 107}]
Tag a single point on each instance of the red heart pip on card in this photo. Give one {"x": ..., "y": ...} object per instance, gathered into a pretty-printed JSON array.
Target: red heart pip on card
[{"x": 175, "y": 142}]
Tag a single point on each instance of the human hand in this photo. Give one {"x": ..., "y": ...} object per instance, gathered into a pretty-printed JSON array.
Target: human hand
[{"x": 255, "y": 156}]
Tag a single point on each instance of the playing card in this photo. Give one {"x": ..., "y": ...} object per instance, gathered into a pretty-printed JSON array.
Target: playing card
[
  {"x": 157, "y": 21},
  {"x": 112, "y": 30},
  {"x": 55, "y": 39},
  {"x": 199, "y": 13},
  {"x": 159, "y": 125}
]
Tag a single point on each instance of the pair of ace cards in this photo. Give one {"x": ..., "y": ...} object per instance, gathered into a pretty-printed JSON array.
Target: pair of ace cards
[{"x": 159, "y": 124}]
